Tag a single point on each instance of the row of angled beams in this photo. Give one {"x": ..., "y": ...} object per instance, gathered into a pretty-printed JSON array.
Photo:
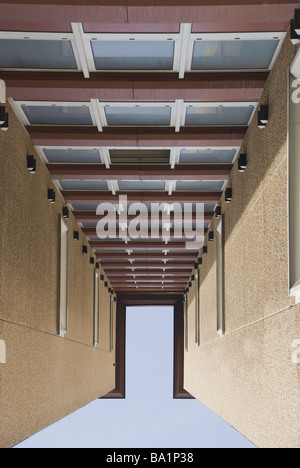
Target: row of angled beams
[
  {"x": 112, "y": 245},
  {"x": 110, "y": 87},
  {"x": 98, "y": 196},
  {"x": 151, "y": 172},
  {"x": 148, "y": 137},
  {"x": 147, "y": 256},
  {"x": 92, "y": 233},
  {"x": 146, "y": 273},
  {"x": 83, "y": 216},
  {"x": 147, "y": 267}
]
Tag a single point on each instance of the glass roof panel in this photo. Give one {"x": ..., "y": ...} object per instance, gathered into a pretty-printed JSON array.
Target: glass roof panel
[
  {"x": 133, "y": 55},
  {"x": 218, "y": 115},
  {"x": 136, "y": 116},
  {"x": 71, "y": 155},
  {"x": 37, "y": 54},
  {"x": 207, "y": 156},
  {"x": 83, "y": 185},
  {"x": 203, "y": 185},
  {"x": 57, "y": 115},
  {"x": 141, "y": 185},
  {"x": 233, "y": 54}
]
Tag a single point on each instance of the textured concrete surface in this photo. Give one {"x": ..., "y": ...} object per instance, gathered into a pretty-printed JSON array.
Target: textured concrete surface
[
  {"x": 251, "y": 377},
  {"x": 45, "y": 377}
]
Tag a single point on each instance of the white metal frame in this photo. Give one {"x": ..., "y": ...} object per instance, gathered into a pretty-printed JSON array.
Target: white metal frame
[
  {"x": 220, "y": 104},
  {"x": 219, "y": 279},
  {"x": 96, "y": 309},
  {"x": 63, "y": 290},
  {"x": 183, "y": 50},
  {"x": 24, "y": 120},
  {"x": 44, "y": 36},
  {"x": 280, "y": 36},
  {"x": 104, "y": 155},
  {"x": 97, "y": 111}
]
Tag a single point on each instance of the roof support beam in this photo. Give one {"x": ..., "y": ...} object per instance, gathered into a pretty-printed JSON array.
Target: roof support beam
[
  {"x": 91, "y": 217},
  {"x": 137, "y": 137},
  {"x": 218, "y": 15},
  {"x": 92, "y": 232},
  {"x": 150, "y": 266},
  {"x": 147, "y": 256},
  {"x": 155, "y": 273},
  {"x": 139, "y": 245},
  {"x": 109, "y": 87},
  {"x": 151, "y": 172},
  {"x": 95, "y": 196}
]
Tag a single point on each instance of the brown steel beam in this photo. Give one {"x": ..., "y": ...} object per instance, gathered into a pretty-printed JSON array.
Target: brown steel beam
[
  {"x": 98, "y": 196},
  {"x": 140, "y": 266},
  {"x": 147, "y": 279},
  {"x": 140, "y": 173},
  {"x": 92, "y": 233},
  {"x": 146, "y": 256},
  {"x": 137, "y": 137},
  {"x": 127, "y": 289},
  {"x": 139, "y": 87},
  {"x": 107, "y": 245},
  {"x": 215, "y": 16},
  {"x": 92, "y": 217},
  {"x": 147, "y": 272}
]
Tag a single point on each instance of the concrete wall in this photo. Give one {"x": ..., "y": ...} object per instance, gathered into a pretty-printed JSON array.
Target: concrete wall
[
  {"x": 250, "y": 377},
  {"x": 45, "y": 377}
]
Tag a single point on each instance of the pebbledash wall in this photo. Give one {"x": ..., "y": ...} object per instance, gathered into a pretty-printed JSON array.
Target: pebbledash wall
[
  {"x": 251, "y": 376},
  {"x": 44, "y": 377}
]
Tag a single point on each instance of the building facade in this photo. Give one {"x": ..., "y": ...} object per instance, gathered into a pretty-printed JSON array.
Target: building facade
[{"x": 162, "y": 102}]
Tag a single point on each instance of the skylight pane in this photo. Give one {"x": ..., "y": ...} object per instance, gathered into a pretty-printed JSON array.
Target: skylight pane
[
  {"x": 72, "y": 155},
  {"x": 83, "y": 185},
  {"x": 218, "y": 115},
  {"x": 57, "y": 115},
  {"x": 139, "y": 156},
  {"x": 233, "y": 54},
  {"x": 141, "y": 185},
  {"x": 203, "y": 185},
  {"x": 207, "y": 156},
  {"x": 137, "y": 116},
  {"x": 36, "y": 54},
  {"x": 133, "y": 55}
]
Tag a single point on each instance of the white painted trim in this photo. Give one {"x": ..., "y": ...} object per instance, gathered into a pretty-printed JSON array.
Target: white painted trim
[
  {"x": 80, "y": 42},
  {"x": 63, "y": 290},
  {"x": 185, "y": 34}
]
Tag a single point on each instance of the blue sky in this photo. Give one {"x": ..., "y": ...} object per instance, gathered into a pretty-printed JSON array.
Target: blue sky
[{"x": 148, "y": 417}]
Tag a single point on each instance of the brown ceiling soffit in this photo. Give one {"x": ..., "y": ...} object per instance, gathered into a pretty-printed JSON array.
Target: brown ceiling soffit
[
  {"x": 148, "y": 266},
  {"x": 151, "y": 172},
  {"x": 92, "y": 232},
  {"x": 147, "y": 280},
  {"x": 97, "y": 196},
  {"x": 149, "y": 272},
  {"x": 198, "y": 87},
  {"x": 137, "y": 137},
  {"x": 146, "y": 274},
  {"x": 92, "y": 217},
  {"x": 106, "y": 245},
  {"x": 216, "y": 15},
  {"x": 146, "y": 256}
]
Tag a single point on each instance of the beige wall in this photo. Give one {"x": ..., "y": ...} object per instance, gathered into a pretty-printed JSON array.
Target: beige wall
[
  {"x": 45, "y": 377},
  {"x": 248, "y": 377}
]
